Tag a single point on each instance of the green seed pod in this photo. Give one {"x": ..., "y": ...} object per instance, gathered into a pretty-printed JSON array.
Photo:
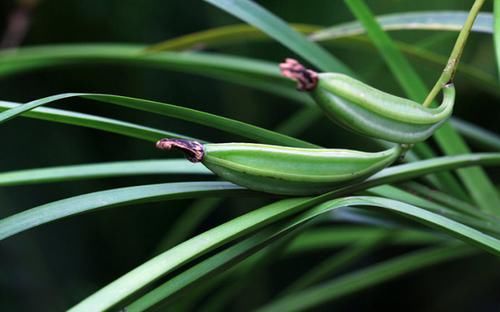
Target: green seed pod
[
  {"x": 369, "y": 111},
  {"x": 284, "y": 170}
]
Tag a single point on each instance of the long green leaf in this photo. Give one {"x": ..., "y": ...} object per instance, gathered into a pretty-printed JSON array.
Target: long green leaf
[
  {"x": 111, "y": 198},
  {"x": 161, "y": 296},
  {"x": 221, "y": 262},
  {"x": 207, "y": 119},
  {"x": 432, "y": 219},
  {"x": 192, "y": 217},
  {"x": 422, "y": 56},
  {"x": 425, "y": 20},
  {"x": 338, "y": 261},
  {"x": 94, "y": 122},
  {"x": 364, "y": 278},
  {"x": 475, "y": 179},
  {"x": 332, "y": 237},
  {"x": 186, "y": 251},
  {"x": 221, "y": 36},
  {"x": 249, "y": 72},
  {"x": 482, "y": 137},
  {"x": 474, "y": 218},
  {"x": 278, "y": 29},
  {"x": 408, "y": 79},
  {"x": 202, "y": 243},
  {"x": 450, "y": 201},
  {"x": 101, "y": 170}
]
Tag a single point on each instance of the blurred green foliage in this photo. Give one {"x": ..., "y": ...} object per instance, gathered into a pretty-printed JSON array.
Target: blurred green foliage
[{"x": 53, "y": 267}]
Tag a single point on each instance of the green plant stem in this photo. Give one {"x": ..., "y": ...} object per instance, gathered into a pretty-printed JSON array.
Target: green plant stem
[{"x": 456, "y": 53}]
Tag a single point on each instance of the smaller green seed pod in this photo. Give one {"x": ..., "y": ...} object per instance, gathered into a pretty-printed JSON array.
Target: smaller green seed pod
[
  {"x": 284, "y": 170},
  {"x": 369, "y": 111}
]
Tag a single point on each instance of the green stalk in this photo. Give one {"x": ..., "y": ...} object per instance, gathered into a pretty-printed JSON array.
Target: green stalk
[{"x": 456, "y": 53}]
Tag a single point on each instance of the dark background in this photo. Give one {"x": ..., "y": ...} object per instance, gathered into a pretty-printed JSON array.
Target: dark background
[{"x": 52, "y": 267}]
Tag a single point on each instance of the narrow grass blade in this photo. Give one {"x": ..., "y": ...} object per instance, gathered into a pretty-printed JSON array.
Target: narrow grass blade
[
  {"x": 448, "y": 200},
  {"x": 367, "y": 277},
  {"x": 184, "y": 225},
  {"x": 475, "y": 179},
  {"x": 474, "y": 218},
  {"x": 101, "y": 170},
  {"x": 423, "y": 167},
  {"x": 423, "y": 57},
  {"x": 191, "y": 115},
  {"x": 431, "y": 20},
  {"x": 233, "y": 34},
  {"x": 209, "y": 272},
  {"x": 162, "y": 295},
  {"x": 111, "y": 198},
  {"x": 445, "y": 180},
  {"x": 173, "y": 258},
  {"x": 337, "y": 262},
  {"x": 248, "y": 72},
  {"x": 221, "y": 36},
  {"x": 425, "y": 20},
  {"x": 300, "y": 120},
  {"x": 477, "y": 135},
  {"x": 278, "y": 29},
  {"x": 399, "y": 65},
  {"x": 95, "y": 122},
  {"x": 328, "y": 238},
  {"x": 429, "y": 218}
]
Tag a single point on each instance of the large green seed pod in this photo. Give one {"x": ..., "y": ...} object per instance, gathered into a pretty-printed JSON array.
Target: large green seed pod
[
  {"x": 284, "y": 170},
  {"x": 369, "y": 111}
]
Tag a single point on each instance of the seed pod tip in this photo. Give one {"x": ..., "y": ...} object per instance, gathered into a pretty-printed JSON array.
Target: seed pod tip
[
  {"x": 307, "y": 79},
  {"x": 192, "y": 149}
]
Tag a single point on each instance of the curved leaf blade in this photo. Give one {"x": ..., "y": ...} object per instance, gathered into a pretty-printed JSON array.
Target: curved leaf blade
[
  {"x": 236, "y": 33},
  {"x": 95, "y": 122},
  {"x": 248, "y": 72},
  {"x": 110, "y": 198},
  {"x": 278, "y": 29},
  {"x": 174, "y": 111},
  {"x": 101, "y": 170},
  {"x": 425, "y": 20},
  {"x": 326, "y": 238},
  {"x": 223, "y": 35},
  {"x": 478, "y": 135}
]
